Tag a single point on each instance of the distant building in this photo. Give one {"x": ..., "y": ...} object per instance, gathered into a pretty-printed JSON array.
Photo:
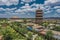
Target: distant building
[
  {"x": 55, "y": 20},
  {"x": 15, "y": 18},
  {"x": 39, "y": 16}
]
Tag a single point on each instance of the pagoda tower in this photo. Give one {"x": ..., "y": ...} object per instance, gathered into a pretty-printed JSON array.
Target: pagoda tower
[{"x": 39, "y": 16}]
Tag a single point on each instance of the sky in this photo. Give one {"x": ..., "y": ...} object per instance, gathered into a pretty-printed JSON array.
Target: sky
[{"x": 27, "y": 8}]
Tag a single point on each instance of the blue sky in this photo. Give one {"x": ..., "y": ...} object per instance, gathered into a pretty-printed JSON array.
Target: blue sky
[{"x": 27, "y": 8}]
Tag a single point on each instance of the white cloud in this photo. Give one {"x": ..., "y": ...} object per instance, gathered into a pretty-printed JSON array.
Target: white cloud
[
  {"x": 23, "y": 11},
  {"x": 58, "y": 10},
  {"x": 26, "y": 9},
  {"x": 51, "y": 1},
  {"x": 37, "y": 6},
  {"x": 7, "y": 10},
  {"x": 10, "y": 9},
  {"x": 8, "y": 2},
  {"x": 54, "y": 1},
  {"x": 46, "y": 8},
  {"x": 57, "y": 7},
  {"x": 22, "y": 2},
  {"x": 2, "y": 9},
  {"x": 27, "y": 0},
  {"x": 20, "y": 11},
  {"x": 26, "y": 6}
]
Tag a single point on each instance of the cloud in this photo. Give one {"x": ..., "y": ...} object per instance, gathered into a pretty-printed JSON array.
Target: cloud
[
  {"x": 28, "y": 0},
  {"x": 22, "y": 2},
  {"x": 53, "y": 2},
  {"x": 19, "y": 11},
  {"x": 46, "y": 8},
  {"x": 26, "y": 9},
  {"x": 10, "y": 9},
  {"x": 8, "y": 2},
  {"x": 51, "y": 11},
  {"x": 29, "y": 10},
  {"x": 2, "y": 9},
  {"x": 26, "y": 6},
  {"x": 58, "y": 10},
  {"x": 7, "y": 10},
  {"x": 57, "y": 7}
]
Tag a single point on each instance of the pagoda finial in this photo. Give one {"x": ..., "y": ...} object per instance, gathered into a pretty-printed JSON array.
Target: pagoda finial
[{"x": 39, "y": 6}]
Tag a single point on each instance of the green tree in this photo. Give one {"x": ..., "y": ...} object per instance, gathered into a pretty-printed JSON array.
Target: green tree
[
  {"x": 45, "y": 24},
  {"x": 57, "y": 28},
  {"x": 49, "y": 35}
]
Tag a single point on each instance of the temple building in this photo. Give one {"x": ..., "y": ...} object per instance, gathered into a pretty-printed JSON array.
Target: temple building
[{"x": 39, "y": 16}]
